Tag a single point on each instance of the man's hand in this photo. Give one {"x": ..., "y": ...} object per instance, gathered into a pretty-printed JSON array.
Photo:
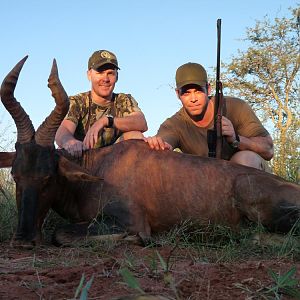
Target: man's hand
[
  {"x": 91, "y": 137},
  {"x": 74, "y": 147},
  {"x": 228, "y": 130},
  {"x": 157, "y": 143}
]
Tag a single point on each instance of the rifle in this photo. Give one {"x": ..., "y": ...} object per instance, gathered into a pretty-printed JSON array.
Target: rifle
[{"x": 214, "y": 136}]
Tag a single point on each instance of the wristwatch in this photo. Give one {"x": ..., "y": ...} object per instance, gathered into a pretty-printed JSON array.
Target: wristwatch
[
  {"x": 110, "y": 121},
  {"x": 235, "y": 144}
]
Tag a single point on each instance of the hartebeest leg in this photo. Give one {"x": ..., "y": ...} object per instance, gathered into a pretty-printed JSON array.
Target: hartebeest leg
[{"x": 269, "y": 201}]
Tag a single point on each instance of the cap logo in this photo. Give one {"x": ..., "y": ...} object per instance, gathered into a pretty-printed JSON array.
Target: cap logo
[{"x": 106, "y": 55}]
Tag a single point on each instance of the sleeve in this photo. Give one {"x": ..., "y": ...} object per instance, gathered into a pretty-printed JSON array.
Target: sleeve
[
  {"x": 74, "y": 112},
  {"x": 168, "y": 133},
  {"x": 248, "y": 124},
  {"x": 125, "y": 105}
]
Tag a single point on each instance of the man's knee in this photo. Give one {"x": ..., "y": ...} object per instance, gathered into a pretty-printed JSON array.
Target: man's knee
[
  {"x": 132, "y": 135},
  {"x": 250, "y": 159}
]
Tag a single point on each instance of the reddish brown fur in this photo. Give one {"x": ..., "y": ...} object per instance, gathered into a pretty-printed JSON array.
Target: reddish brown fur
[{"x": 144, "y": 190}]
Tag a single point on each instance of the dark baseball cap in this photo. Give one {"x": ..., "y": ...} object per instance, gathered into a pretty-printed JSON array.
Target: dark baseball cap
[
  {"x": 190, "y": 73},
  {"x": 102, "y": 57}
]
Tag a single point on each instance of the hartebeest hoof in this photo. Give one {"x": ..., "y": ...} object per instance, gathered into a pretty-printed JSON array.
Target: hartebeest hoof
[{"x": 25, "y": 244}]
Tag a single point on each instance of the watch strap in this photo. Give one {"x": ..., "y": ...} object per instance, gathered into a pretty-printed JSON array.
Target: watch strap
[{"x": 110, "y": 121}]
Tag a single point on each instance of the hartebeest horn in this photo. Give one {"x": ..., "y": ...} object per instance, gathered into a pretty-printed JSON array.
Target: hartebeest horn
[
  {"x": 23, "y": 123},
  {"x": 45, "y": 134}
]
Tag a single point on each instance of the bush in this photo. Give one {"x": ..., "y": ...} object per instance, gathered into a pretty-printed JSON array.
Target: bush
[{"x": 8, "y": 210}]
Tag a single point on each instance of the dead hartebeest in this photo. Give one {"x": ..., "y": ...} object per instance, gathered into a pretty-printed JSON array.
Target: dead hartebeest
[{"x": 144, "y": 190}]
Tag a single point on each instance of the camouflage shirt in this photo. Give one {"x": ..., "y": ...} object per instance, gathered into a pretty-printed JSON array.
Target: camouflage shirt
[{"x": 83, "y": 112}]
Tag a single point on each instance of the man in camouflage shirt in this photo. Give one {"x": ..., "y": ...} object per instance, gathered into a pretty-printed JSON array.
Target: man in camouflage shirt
[
  {"x": 100, "y": 117},
  {"x": 246, "y": 141}
]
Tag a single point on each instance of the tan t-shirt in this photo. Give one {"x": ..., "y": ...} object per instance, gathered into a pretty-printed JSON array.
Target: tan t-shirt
[
  {"x": 180, "y": 132},
  {"x": 83, "y": 112}
]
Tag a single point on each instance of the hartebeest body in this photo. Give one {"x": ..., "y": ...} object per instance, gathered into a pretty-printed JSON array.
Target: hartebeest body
[{"x": 144, "y": 190}]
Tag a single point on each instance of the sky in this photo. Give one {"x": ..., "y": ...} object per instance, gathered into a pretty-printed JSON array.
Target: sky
[{"x": 150, "y": 38}]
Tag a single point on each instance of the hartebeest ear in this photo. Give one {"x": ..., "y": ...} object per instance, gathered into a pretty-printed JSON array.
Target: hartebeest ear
[
  {"x": 6, "y": 159},
  {"x": 74, "y": 172}
]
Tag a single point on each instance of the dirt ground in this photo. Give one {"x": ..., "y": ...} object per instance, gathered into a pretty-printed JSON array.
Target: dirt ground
[{"x": 55, "y": 273}]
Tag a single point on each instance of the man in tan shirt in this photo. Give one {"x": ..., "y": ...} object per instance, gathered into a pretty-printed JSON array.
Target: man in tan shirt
[{"x": 247, "y": 142}]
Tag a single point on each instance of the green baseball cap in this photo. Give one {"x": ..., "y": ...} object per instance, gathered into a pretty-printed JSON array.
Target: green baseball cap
[
  {"x": 190, "y": 73},
  {"x": 102, "y": 57}
]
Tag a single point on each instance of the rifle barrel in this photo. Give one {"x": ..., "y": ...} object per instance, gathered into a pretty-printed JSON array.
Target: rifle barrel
[
  {"x": 217, "y": 98},
  {"x": 214, "y": 136}
]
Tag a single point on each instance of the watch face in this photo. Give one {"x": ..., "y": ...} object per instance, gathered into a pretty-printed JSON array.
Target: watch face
[{"x": 235, "y": 144}]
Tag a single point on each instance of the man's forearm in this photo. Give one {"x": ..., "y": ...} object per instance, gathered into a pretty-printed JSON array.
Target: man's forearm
[
  {"x": 63, "y": 135},
  {"x": 261, "y": 145},
  {"x": 133, "y": 122}
]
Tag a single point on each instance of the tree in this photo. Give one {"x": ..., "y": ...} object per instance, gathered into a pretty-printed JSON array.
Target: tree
[{"x": 267, "y": 76}]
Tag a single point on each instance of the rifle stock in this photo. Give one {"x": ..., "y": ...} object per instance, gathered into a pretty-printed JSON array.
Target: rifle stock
[{"x": 214, "y": 136}]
